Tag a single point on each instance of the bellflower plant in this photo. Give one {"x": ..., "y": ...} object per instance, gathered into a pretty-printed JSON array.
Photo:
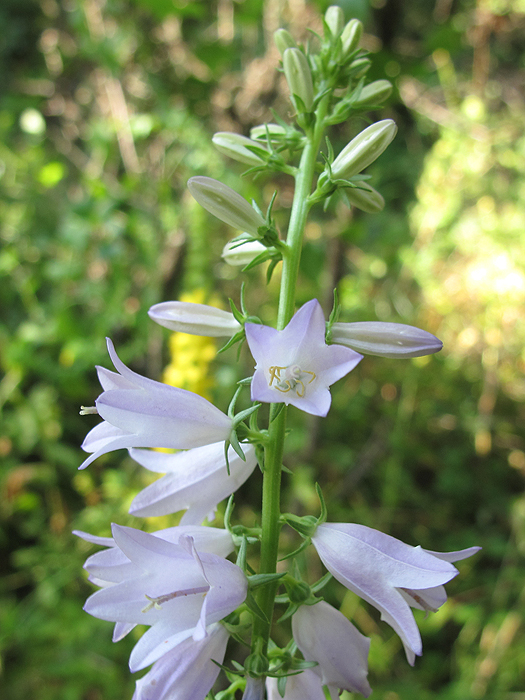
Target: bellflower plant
[{"x": 196, "y": 586}]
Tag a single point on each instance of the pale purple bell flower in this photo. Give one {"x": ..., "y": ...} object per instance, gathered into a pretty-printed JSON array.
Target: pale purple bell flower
[
  {"x": 325, "y": 635},
  {"x": 188, "y": 671},
  {"x": 140, "y": 412},
  {"x": 389, "y": 574},
  {"x": 196, "y": 480},
  {"x": 174, "y": 589},
  {"x": 296, "y": 366}
]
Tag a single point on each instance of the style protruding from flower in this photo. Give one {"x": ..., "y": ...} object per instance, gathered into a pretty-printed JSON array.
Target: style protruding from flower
[
  {"x": 296, "y": 366},
  {"x": 394, "y": 340},
  {"x": 140, "y": 412},
  {"x": 196, "y": 319},
  {"x": 389, "y": 574},
  {"x": 173, "y": 588},
  {"x": 196, "y": 480},
  {"x": 325, "y": 635}
]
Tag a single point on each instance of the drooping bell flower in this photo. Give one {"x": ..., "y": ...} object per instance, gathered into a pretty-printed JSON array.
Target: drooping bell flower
[
  {"x": 140, "y": 412},
  {"x": 325, "y": 635},
  {"x": 389, "y": 574},
  {"x": 196, "y": 319},
  {"x": 296, "y": 366},
  {"x": 386, "y": 339},
  {"x": 196, "y": 480},
  {"x": 174, "y": 589},
  {"x": 188, "y": 671}
]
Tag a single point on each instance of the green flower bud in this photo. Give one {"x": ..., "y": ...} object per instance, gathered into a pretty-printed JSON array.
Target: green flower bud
[
  {"x": 335, "y": 19},
  {"x": 367, "y": 199},
  {"x": 235, "y": 146},
  {"x": 275, "y": 130},
  {"x": 224, "y": 203},
  {"x": 351, "y": 36},
  {"x": 374, "y": 93},
  {"x": 256, "y": 665},
  {"x": 298, "y": 591},
  {"x": 299, "y": 76},
  {"x": 284, "y": 40},
  {"x": 364, "y": 149},
  {"x": 360, "y": 67}
]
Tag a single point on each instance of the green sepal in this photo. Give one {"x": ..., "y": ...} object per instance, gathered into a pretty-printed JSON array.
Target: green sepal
[
  {"x": 269, "y": 271},
  {"x": 238, "y": 337},
  {"x": 254, "y": 608},
  {"x": 316, "y": 587},
  {"x": 263, "y": 579}
]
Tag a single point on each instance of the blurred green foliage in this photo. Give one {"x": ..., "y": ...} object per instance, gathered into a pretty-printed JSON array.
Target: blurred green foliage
[{"x": 106, "y": 108}]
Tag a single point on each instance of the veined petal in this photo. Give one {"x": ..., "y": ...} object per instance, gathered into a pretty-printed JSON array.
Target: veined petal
[
  {"x": 196, "y": 480},
  {"x": 387, "y": 573},
  {"x": 187, "y": 672},
  {"x": 323, "y": 634}
]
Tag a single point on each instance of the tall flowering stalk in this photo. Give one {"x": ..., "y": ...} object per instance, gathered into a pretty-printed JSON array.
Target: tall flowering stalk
[{"x": 179, "y": 581}]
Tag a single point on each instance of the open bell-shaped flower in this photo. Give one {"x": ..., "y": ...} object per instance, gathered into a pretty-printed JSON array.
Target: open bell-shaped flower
[
  {"x": 173, "y": 588},
  {"x": 296, "y": 366},
  {"x": 188, "y": 671},
  {"x": 325, "y": 635},
  {"x": 196, "y": 480},
  {"x": 395, "y": 340},
  {"x": 387, "y": 573},
  {"x": 140, "y": 412}
]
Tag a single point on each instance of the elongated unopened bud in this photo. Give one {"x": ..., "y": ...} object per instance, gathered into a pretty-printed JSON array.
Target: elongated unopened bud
[
  {"x": 351, "y": 35},
  {"x": 364, "y": 149},
  {"x": 335, "y": 20},
  {"x": 197, "y": 319},
  {"x": 284, "y": 40},
  {"x": 299, "y": 76},
  {"x": 365, "y": 198},
  {"x": 239, "y": 148},
  {"x": 395, "y": 340},
  {"x": 374, "y": 93},
  {"x": 260, "y": 132},
  {"x": 360, "y": 67},
  {"x": 224, "y": 203},
  {"x": 236, "y": 254}
]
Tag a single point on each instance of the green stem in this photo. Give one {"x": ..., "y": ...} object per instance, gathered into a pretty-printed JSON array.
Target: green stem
[{"x": 273, "y": 457}]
